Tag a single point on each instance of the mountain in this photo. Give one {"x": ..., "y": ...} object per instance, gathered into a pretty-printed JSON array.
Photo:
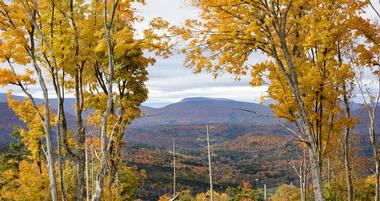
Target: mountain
[
  {"x": 185, "y": 118},
  {"x": 361, "y": 115},
  {"x": 9, "y": 120},
  {"x": 68, "y": 104},
  {"x": 199, "y": 110}
]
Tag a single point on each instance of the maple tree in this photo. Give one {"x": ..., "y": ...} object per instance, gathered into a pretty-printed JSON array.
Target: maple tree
[
  {"x": 301, "y": 42},
  {"x": 84, "y": 48}
]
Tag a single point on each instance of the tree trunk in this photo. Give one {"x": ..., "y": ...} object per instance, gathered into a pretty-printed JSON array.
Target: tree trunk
[
  {"x": 47, "y": 130},
  {"x": 347, "y": 166},
  {"x": 291, "y": 76},
  {"x": 265, "y": 192},
  {"x": 303, "y": 188},
  {"x": 45, "y": 118},
  {"x": 59, "y": 155},
  {"x": 377, "y": 175},
  {"x": 87, "y": 174},
  {"x": 80, "y": 159},
  {"x": 103, "y": 133},
  {"x": 81, "y": 155},
  {"x": 377, "y": 161},
  {"x": 209, "y": 165},
  {"x": 346, "y": 149},
  {"x": 316, "y": 175},
  {"x": 174, "y": 170},
  {"x": 372, "y": 136}
]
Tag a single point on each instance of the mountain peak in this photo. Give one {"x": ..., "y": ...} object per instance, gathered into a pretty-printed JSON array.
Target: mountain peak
[{"x": 193, "y": 99}]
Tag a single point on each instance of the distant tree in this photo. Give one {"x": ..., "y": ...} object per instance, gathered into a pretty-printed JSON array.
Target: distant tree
[
  {"x": 164, "y": 198},
  {"x": 286, "y": 193},
  {"x": 207, "y": 196},
  {"x": 16, "y": 152},
  {"x": 129, "y": 179},
  {"x": 244, "y": 193}
]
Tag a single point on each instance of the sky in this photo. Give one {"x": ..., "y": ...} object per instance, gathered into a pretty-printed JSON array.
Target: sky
[{"x": 169, "y": 81}]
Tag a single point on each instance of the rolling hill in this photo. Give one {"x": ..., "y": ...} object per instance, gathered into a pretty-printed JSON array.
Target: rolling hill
[{"x": 200, "y": 110}]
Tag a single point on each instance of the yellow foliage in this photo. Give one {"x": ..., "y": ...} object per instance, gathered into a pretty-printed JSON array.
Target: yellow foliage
[
  {"x": 164, "y": 198},
  {"x": 206, "y": 196},
  {"x": 286, "y": 193},
  {"x": 30, "y": 184}
]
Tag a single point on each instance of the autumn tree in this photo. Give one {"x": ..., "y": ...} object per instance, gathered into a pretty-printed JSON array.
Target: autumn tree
[
  {"x": 299, "y": 40},
  {"x": 16, "y": 152},
  {"x": 364, "y": 55},
  {"x": 90, "y": 50},
  {"x": 18, "y": 43}
]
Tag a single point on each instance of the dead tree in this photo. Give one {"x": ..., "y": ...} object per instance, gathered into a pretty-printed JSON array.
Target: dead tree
[
  {"x": 209, "y": 163},
  {"x": 371, "y": 100},
  {"x": 302, "y": 171},
  {"x": 174, "y": 170}
]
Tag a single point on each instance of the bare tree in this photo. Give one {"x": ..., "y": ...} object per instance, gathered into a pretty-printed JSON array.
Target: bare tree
[
  {"x": 209, "y": 163},
  {"x": 302, "y": 171},
  {"x": 174, "y": 170},
  {"x": 370, "y": 95}
]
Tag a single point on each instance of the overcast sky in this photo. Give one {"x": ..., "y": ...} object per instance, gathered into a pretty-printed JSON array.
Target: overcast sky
[{"x": 169, "y": 81}]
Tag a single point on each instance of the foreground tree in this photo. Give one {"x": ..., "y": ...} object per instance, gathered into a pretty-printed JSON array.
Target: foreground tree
[
  {"x": 19, "y": 35},
  {"x": 300, "y": 40},
  {"x": 88, "y": 49}
]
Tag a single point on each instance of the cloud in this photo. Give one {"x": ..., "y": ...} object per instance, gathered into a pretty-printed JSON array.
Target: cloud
[{"x": 169, "y": 81}]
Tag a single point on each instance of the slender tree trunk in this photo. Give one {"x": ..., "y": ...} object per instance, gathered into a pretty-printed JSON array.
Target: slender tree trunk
[
  {"x": 346, "y": 152},
  {"x": 87, "y": 174},
  {"x": 59, "y": 155},
  {"x": 92, "y": 171},
  {"x": 375, "y": 157},
  {"x": 55, "y": 77},
  {"x": 80, "y": 159},
  {"x": 47, "y": 130},
  {"x": 174, "y": 170},
  {"x": 265, "y": 192},
  {"x": 209, "y": 164},
  {"x": 45, "y": 118},
  {"x": 81, "y": 155},
  {"x": 103, "y": 133},
  {"x": 377, "y": 175},
  {"x": 39, "y": 159},
  {"x": 303, "y": 188}
]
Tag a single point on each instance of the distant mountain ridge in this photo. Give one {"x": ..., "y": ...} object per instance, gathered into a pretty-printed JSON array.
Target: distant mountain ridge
[
  {"x": 181, "y": 117},
  {"x": 201, "y": 110}
]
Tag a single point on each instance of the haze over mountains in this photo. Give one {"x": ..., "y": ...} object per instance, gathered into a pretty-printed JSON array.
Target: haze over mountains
[{"x": 181, "y": 117}]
